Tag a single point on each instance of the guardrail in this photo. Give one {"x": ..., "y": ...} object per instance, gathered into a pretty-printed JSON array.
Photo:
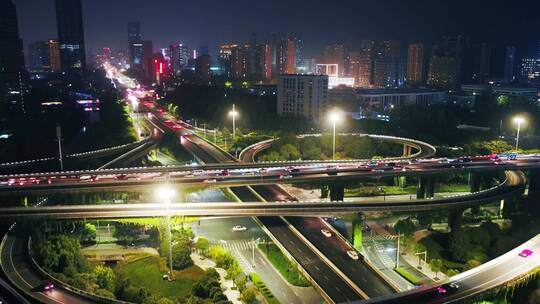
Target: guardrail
[{"x": 417, "y": 144}]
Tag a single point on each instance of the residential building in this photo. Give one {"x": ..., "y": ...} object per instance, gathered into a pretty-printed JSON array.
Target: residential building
[
  {"x": 202, "y": 69},
  {"x": 286, "y": 56},
  {"x": 415, "y": 64},
  {"x": 365, "y": 64},
  {"x": 303, "y": 95}
]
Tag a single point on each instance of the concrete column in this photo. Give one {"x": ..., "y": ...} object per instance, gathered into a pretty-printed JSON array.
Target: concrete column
[
  {"x": 426, "y": 187},
  {"x": 337, "y": 192},
  {"x": 407, "y": 150},
  {"x": 534, "y": 183},
  {"x": 475, "y": 180},
  {"x": 358, "y": 224}
]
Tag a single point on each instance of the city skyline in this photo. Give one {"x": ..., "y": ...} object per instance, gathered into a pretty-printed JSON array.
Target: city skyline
[{"x": 421, "y": 21}]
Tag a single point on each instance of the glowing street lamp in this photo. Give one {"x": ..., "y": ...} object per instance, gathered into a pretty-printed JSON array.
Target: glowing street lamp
[
  {"x": 165, "y": 193},
  {"x": 233, "y": 113},
  {"x": 334, "y": 116},
  {"x": 518, "y": 120}
]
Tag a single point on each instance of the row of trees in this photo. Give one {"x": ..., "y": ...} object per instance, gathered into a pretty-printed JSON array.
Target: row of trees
[{"x": 312, "y": 148}]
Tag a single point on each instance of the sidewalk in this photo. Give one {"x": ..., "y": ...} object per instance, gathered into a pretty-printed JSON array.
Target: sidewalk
[
  {"x": 227, "y": 285},
  {"x": 412, "y": 260}
]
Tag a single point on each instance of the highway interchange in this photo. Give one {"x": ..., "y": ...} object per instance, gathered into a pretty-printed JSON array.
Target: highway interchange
[{"x": 324, "y": 260}]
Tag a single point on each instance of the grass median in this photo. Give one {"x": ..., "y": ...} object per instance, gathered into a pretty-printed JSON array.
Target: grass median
[{"x": 284, "y": 265}]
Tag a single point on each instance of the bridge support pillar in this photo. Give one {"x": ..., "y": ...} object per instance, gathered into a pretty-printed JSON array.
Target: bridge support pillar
[
  {"x": 534, "y": 189},
  {"x": 358, "y": 225},
  {"x": 407, "y": 150},
  {"x": 337, "y": 192},
  {"x": 475, "y": 181},
  {"x": 426, "y": 187}
]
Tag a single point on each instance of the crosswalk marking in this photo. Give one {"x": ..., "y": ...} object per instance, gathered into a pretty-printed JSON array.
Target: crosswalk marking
[
  {"x": 240, "y": 245},
  {"x": 379, "y": 237}
]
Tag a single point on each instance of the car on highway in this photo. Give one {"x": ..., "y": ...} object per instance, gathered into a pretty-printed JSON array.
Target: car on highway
[
  {"x": 210, "y": 180},
  {"x": 46, "y": 285},
  {"x": 447, "y": 288},
  {"x": 122, "y": 177},
  {"x": 526, "y": 253},
  {"x": 285, "y": 176},
  {"x": 353, "y": 254},
  {"x": 326, "y": 233},
  {"x": 239, "y": 228}
]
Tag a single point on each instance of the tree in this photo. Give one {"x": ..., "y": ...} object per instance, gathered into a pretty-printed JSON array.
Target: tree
[
  {"x": 126, "y": 233},
  {"x": 289, "y": 152},
  {"x": 202, "y": 245},
  {"x": 480, "y": 236},
  {"x": 181, "y": 257},
  {"x": 435, "y": 266},
  {"x": 88, "y": 233},
  {"x": 104, "y": 277},
  {"x": 472, "y": 264},
  {"x": 451, "y": 272},
  {"x": 405, "y": 227},
  {"x": 249, "y": 294},
  {"x": 459, "y": 244}
]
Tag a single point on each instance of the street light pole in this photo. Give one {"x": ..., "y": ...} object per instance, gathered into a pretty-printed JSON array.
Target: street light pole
[
  {"x": 59, "y": 139},
  {"x": 166, "y": 193},
  {"x": 397, "y": 251},
  {"x": 334, "y": 139},
  {"x": 518, "y": 121},
  {"x": 233, "y": 113},
  {"x": 253, "y": 250}
]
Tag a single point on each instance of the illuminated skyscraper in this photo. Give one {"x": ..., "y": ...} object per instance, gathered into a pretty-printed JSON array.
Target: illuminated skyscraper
[
  {"x": 135, "y": 44},
  {"x": 389, "y": 65},
  {"x": 335, "y": 54},
  {"x": 415, "y": 64},
  {"x": 70, "y": 35},
  {"x": 265, "y": 53},
  {"x": 286, "y": 56},
  {"x": 365, "y": 64},
  {"x": 303, "y": 95}
]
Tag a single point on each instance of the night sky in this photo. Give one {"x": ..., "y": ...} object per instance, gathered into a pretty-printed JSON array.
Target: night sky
[{"x": 212, "y": 22}]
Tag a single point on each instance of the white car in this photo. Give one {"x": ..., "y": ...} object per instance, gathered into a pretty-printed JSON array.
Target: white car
[
  {"x": 352, "y": 254},
  {"x": 326, "y": 233},
  {"x": 239, "y": 228},
  {"x": 285, "y": 176},
  {"x": 212, "y": 180}
]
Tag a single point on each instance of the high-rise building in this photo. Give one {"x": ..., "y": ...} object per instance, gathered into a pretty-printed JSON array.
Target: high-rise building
[
  {"x": 365, "y": 64},
  {"x": 239, "y": 61},
  {"x": 454, "y": 47},
  {"x": 415, "y": 64},
  {"x": 265, "y": 53},
  {"x": 11, "y": 58},
  {"x": 70, "y": 35},
  {"x": 388, "y": 67},
  {"x": 225, "y": 53},
  {"x": 44, "y": 56},
  {"x": 481, "y": 64},
  {"x": 286, "y": 56},
  {"x": 442, "y": 72},
  {"x": 530, "y": 69},
  {"x": 38, "y": 57},
  {"x": 335, "y": 54},
  {"x": 303, "y": 95},
  {"x": 354, "y": 66},
  {"x": 509, "y": 63},
  {"x": 179, "y": 56},
  {"x": 135, "y": 44},
  {"x": 148, "y": 65},
  {"x": 202, "y": 69},
  {"x": 253, "y": 60}
]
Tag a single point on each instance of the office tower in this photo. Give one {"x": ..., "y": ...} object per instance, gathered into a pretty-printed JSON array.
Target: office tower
[
  {"x": 442, "y": 72},
  {"x": 265, "y": 53},
  {"x": 147, "y": 64},
  {"x": 286, "y": 56},
  {"x": 11, "y": 61},
  {"x": 415, "y": 64},
  {"x": 44, "y": 56},
  {"x": 70, "y": 35},
  {"x": 454, "y": 47},
  {"x": 481, "y": 63},
  {"x": 303, "y": 95},
  {"x": 239, "y": 61},
  {"x": 38, "y": 56},
  {"x": 388, "y": 67},
  {"x": 299, "y": 44},
  {"x": 509, "y": 63},
  {"x": 135, "y": 44},
  {"x": 253, "y": 60},
  {"x": 365, "y": 64},
  {"x": 11, "y": 49},
  {"x": 335, "y": 54},
  {"x": 225, "y": 53},
  {"x": 202, "y": 69},
  {"x": 354, "y": 66}
]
